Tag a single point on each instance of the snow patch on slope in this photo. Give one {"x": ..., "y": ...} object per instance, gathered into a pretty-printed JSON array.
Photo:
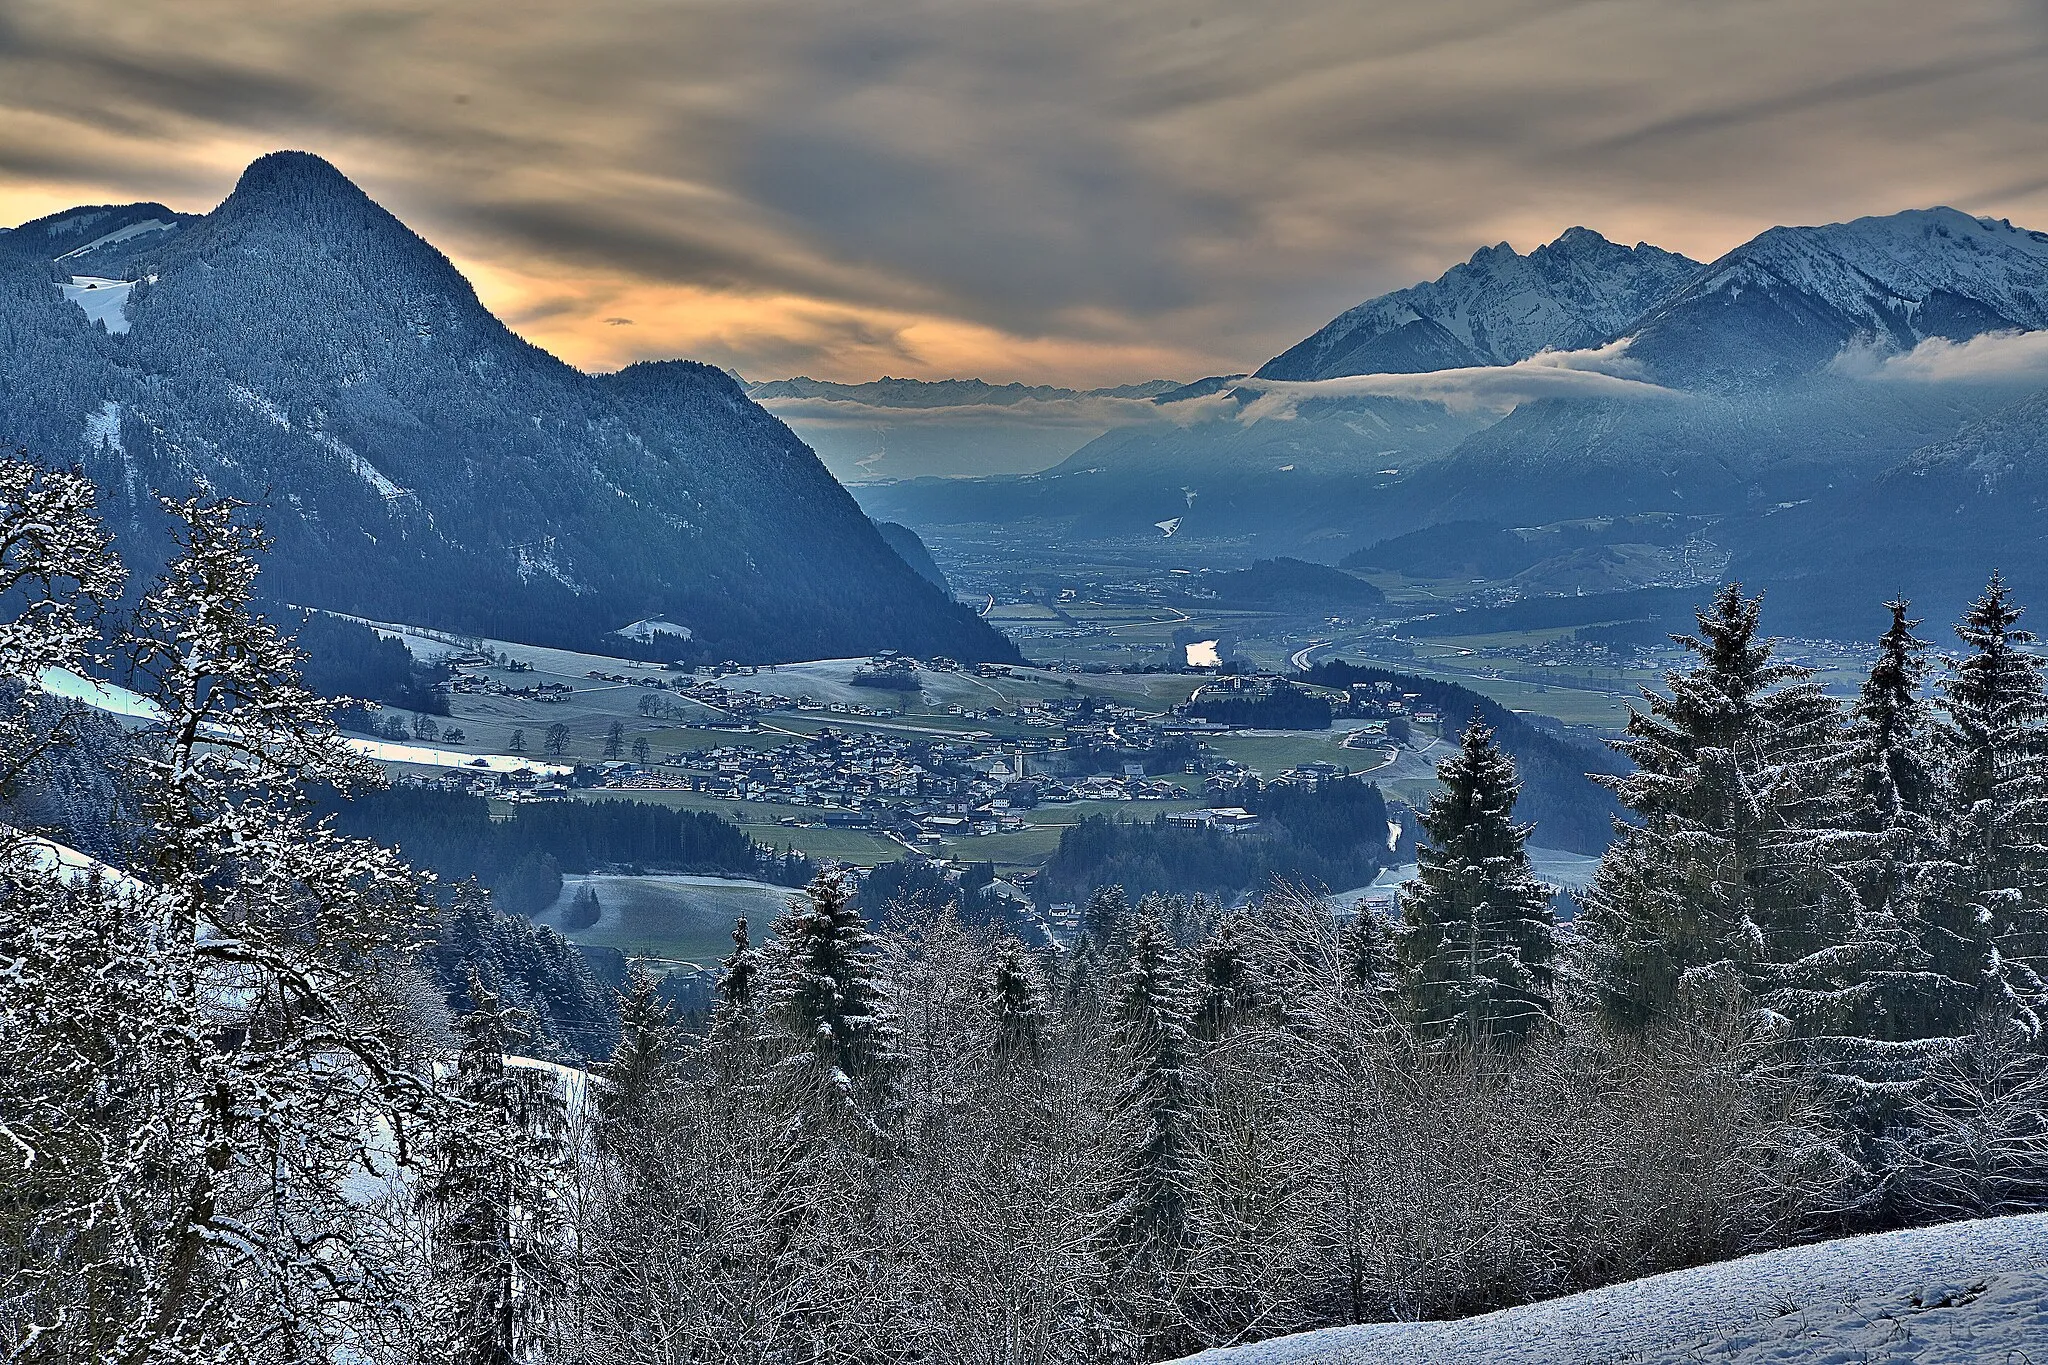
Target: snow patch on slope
[
  {"x": 119, "y": 235},
  {"x": 357, "y": 465},
  {"x": 119, "y": 701},
  {"x": 1954, "y": 1295},
  {"x": 103, "y": 428},
  {"x": 101, "y": 300}
]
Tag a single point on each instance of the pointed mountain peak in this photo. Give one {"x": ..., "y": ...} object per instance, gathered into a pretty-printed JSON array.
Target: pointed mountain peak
[
  {"x": 1580, "y": 239},
  {"x": 299, "y": 181}
]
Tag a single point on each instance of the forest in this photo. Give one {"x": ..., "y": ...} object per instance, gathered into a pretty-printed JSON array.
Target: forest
[
  {"x": 269, "y": 1093},
  {"x": 1333, "y": 835},
  {"x": 453, "y": 835}
]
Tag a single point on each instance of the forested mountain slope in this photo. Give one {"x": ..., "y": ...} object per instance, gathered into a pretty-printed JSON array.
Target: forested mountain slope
[{"x": 301, "y": 349}]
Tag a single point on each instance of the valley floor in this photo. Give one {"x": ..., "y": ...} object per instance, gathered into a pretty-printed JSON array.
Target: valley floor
[{"x": 1973, "y": 1293}]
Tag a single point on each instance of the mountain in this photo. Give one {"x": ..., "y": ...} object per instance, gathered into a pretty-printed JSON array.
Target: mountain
[
  {"x": 1577, "y": 292},
  {"x": 1931, "y": 525},
  {"x": 301, "y": 349},
  {"x": 1759, "y": 401},
  {"x": 914, "y": 552},
  {"x": 1788, "y": 301},
  {"x": 1960, "y": 1294}
]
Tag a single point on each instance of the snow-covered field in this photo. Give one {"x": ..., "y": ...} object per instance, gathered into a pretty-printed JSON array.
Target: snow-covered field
[
  {"x": 119, "y": 701},
  {"x": 103, "y": 301},
  {"x": 65, "y": 863},
  {"x": 1965, "y": 1294}
]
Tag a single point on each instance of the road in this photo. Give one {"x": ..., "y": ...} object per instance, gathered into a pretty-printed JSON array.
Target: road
[{"x": 1298, "y": 661}]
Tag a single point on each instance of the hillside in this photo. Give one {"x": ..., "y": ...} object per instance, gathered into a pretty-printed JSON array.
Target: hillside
[
  {"x": 300, "y": 348},
  {"x": 1955, "y": 1295}
]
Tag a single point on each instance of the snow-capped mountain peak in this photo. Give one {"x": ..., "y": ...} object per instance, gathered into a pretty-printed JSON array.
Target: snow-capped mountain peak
[
  {"x": 1497, "y": 308},
  {"x": 1786, "y": 301}
]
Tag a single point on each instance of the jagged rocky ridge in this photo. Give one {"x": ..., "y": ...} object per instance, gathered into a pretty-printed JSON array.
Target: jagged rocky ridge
[{"x": 300, "y": 348}]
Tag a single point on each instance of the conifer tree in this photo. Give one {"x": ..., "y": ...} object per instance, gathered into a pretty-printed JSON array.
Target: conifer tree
[
  {"x": 824, "y": 994},
  {"x": 1879, "y": 836},
  {"x": 645, "y": 1058},
  {"x": 1979, "y": 903},
  {"x": 497, "y": 1236},
  {"x": 736, "y": 975},
  {"x": 1017, "y": 1006},
  {"x": 1106, "y": 918},
  {"x": 1081, "y": 976},
  {"x": 1477, "y": 935},
  {"x": 1148, "y": 1236},
  {"x": 1367, "y": 950},
  {"x": 1230, "y": 983},
  {"x": 1718, "y": 887}
]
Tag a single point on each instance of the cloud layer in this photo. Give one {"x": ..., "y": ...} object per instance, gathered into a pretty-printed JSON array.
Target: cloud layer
[
  {"x": 1995, "y": 357},
  {"x": 1603, "y": 372},
  {"x": 1069, "y": 191}
]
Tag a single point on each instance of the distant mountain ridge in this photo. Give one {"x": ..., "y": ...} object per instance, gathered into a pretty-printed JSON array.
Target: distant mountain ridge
[
  {"x": 1499, "y": 307},
  {"x": 1786, "y": 302},
  {"x": 1787, "y": 402},
  {"x": 300, "y": 348}
]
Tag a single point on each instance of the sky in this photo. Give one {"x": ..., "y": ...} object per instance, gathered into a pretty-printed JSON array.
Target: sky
[{"x": 1051, "y": 191}]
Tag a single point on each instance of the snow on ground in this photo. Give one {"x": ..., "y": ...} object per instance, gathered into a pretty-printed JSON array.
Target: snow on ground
[
  {"x": 1966, "y": 1294},
  {"x": 100, "y": 696},
  {"x": 119, "y": 701},
  {"x": 118, "y": 235},
  {"x": 103, "y": 301},
  {"x": 388, "y": 751},
  {"x": 66, "y": 863},
  {"x": 103, "y": 427},
  {"x": 1569, "y": 870}
]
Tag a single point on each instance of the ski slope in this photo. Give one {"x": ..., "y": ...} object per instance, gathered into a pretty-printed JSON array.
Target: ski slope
[{"x": 1963, "y": 1294}]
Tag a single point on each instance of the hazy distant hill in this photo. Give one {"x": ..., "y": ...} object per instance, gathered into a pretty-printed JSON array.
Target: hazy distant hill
[{"x": 298, "y": 347}]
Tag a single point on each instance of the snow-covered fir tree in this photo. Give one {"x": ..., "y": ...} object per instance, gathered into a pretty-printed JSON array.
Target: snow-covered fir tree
[
  {"x": 1368, "y": 950},
  {"x": 1230, "y": 984},
  {"x": 1477, "y": 935},
  {"x": 1018, "y": 1015},
  {"x": 1878, "y": 837},
  {"x": 646, "y": 1058},
  {"x": 491, "y": 1195},
  {"x": 1718, "y": 887},
  {"x": 1147, "y": 1235},
  {"x": 1979, "y": 907},
  {"x": 824, "y": 995}
]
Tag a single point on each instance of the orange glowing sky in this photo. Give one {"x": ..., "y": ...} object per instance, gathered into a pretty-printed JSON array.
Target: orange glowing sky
[{"x": 1042, "y": 190}]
